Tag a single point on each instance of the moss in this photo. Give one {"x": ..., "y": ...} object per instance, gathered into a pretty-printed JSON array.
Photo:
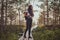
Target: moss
[
  {"x": 10, "y": 32},
  {"x": 45, "y": 34}
]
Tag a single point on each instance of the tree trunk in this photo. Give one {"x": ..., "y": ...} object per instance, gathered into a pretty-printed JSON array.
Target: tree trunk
[
  {"x": 10, "y": 22},
  {"x": 47, "y": 12},
  {"x": 6, "y": 14},
  {"x": 2, "y": 18},
  {"x": 19, "y": 14},
  {"x": 19, "y": 17},
  {"x": 2, "y": 13}
]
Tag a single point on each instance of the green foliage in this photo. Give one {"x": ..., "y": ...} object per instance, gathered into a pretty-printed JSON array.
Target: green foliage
[
  {"x": 9, "y": 36},
  {"x": 45, "y": 34},
  {"x": 11, "y": 32}
]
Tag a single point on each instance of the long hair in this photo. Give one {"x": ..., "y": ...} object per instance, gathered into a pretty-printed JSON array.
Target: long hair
[{"x": 30, "y": 9}]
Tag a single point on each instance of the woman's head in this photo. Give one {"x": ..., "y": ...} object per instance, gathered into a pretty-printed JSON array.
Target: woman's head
[
  {"x": 30, "y": 10},
  {"x": 30, "y": 7}
]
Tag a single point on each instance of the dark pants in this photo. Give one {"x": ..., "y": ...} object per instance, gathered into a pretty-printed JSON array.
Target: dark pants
[{"x": 28, "y": 26}]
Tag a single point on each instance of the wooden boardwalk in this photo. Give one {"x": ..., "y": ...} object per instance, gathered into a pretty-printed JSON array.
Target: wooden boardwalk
[{"x": 22, "y": 38}]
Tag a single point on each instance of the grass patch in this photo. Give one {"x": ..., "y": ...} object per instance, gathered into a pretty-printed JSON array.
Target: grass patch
[
  {"x": 11, "y": 32},
  {"x": 45, "y": 34}
]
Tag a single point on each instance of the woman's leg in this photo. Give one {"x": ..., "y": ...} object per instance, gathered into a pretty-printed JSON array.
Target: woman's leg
[
  {"x": 26, "y": 28},
  {"x": 30, "y": 25}
]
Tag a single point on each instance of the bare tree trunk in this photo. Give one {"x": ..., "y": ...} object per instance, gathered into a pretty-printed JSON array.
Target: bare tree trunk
[
  {"x": 19, "y": 17},
  {"x": 44, "y": 19},
  {"x": 2, "y": 13},
  {"x": 59, "y": 20},
  {"x": 10, "y": 22},
  {"x": 19, "y": 14},
  {"x": 2, "y": 17},
  {"x": 6, "y": 14},
  {"x": 47, "y": 13},
  {"x": 59, "y": 13},
  {"x": 55, "y": 18}
]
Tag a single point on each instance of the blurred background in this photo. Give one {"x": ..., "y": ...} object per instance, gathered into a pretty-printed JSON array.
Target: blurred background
[{"x": 46, "y": 17}]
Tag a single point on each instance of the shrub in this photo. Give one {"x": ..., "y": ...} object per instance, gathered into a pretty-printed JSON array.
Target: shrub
[
  {"x": 45, "y": 34},
  {"x": 11, "y": 32}
]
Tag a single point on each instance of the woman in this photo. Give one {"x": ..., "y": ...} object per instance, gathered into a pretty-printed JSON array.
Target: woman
[{"x": 28, "y": 18}]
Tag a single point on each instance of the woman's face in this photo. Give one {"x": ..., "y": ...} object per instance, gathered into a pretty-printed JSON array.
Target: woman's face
[{"x": 31, "y": 7}]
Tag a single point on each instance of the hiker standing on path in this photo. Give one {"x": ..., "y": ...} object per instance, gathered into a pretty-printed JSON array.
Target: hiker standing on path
[{"x": 28, "y": 18}]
